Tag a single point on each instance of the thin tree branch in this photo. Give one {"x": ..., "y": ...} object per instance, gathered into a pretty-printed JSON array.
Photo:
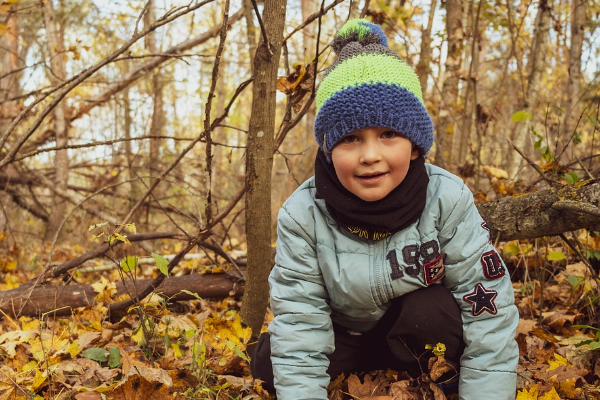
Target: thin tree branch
[
  {"x": 311, "y": 18},
  {"x": 75, "y": 81},
  {"x": 208, "y": 108},
  {"x": 262, "y": 26}
]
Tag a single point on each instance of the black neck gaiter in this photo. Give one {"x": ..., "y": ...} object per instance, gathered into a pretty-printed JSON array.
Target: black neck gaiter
[{"x": 373, "y": 219}]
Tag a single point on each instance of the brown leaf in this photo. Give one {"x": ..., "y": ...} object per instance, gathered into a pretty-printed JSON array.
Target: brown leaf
[
  {"x": 403, "y": 390},
  {"x": 440, "y": 367},
  {"x": 525, "y": 326},
  {"x": 371, "y": 386},
  {"x": 88, "y": 339},
  {"x": 438, "y": 394},
  {"x": 88, "y": 396},
  {"x": 557, "y": 318}
]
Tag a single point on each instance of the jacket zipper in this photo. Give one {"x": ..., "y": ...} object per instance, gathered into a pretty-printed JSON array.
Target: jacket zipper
[{"x": 378, "y": 259}]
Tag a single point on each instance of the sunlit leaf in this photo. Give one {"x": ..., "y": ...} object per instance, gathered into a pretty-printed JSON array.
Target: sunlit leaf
[
  {"x": 531, "y": 394},
  {"x": 122, "y": 238},
  {"x": 129, "y": 263},
  {"x": 191, "y": 294},
  {"x": 520, "y": 116},
  {"x": 94, "y": 226},
  {"x": 571, "y": 177},
  {"x": 114, "y": 359},
  {"x": 557, "y": 362},
  {"x": 131, "y": 228},
  {"x": 162, "y": 263},
  {"x": 95, "y": 354},
  {"x": 556, "y": 256},
  {"x": 551, "y": 395}
]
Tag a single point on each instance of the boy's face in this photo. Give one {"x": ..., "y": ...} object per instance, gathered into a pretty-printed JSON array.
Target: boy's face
[{"x": 371, "y": 162}]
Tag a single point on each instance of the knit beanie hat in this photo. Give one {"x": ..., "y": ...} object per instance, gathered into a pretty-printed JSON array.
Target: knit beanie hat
[{"x": 369, "y": 85}]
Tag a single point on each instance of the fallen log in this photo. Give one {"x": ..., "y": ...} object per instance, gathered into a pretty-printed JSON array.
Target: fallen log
[
  {"x": 548, "y": 212},
  {"x": 60, "y": 300}
]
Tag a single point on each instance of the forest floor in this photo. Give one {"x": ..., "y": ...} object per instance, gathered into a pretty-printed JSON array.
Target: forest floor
[{"x": 197, "y": 349}]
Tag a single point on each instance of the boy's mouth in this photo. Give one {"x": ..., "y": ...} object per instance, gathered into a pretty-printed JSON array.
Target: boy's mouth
[{"x": 371, "y": 178}]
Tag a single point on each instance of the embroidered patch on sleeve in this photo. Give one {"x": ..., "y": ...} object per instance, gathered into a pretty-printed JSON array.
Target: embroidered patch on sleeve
[
  {"x": 482, "y": 300},
  {"x": 492, "y": 265},
  {"x": 486, "y": 226},
  {"x": 434, "y": 270}
]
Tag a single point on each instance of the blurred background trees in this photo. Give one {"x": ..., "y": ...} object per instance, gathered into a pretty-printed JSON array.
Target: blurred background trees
[{"x": 490, "y": 71}]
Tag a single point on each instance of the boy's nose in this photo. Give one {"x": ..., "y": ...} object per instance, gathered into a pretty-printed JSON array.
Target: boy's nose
[{"x": 370, "y": 154}]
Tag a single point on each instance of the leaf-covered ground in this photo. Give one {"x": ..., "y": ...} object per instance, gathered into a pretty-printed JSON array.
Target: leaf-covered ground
[{"x": 197, "y": 349}]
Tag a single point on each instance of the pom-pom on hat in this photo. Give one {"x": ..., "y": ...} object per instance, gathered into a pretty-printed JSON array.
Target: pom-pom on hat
[{"x": 369, "y": 85}]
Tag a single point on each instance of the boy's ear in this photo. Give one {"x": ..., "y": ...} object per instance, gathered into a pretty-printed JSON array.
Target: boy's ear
[{"x": 415, "y": 153}]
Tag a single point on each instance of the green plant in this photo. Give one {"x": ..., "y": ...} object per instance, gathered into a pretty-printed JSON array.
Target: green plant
[{"x": 594, "y": 344}]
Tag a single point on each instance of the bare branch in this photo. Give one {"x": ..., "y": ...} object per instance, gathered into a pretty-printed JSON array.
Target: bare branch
[
  {"x": 75, "y": 81},
  {"x": 208, "y": 108}
]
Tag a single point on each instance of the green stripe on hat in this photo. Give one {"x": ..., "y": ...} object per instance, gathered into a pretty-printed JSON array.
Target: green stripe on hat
[
  {"x": 366, "y": 69},
  {"x": 355, "y": 25}
]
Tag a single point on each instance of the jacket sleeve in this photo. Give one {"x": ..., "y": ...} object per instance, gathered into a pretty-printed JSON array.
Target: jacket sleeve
[
  {"x": 301, "y": 331},
  {"x": 476, "y": 276}
]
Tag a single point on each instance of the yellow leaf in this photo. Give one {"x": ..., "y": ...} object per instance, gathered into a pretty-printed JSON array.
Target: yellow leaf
[
  {"x": 532, "y": 394},
  {"x": 225, "y": 334},
  {"x": 131, "y": 228},
  {"x": 73, "y": 349},
  {"x": 567, "y": 387},
  {"x": 38, "y": 381},
  {"x": 30, "y": 324},
  {"x": 4, "y": 29},
  {"x": 9, "y": 265},
  {"x": 122, "y": 238},
  {"x": 139, "y": 337},
  {"x": 559, "y": 360},
  {"x": 46, "y": 350},
  {"x": 30, "y": 366},
  {"x": 105, "y": 289},
  {"x": 176, "y": 350},
  {"x": 495, "y": 172},
  {"x": 551, "y": 395}
]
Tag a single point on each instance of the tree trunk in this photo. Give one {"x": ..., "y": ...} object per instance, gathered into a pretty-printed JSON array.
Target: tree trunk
[
  {"x": 423, "y": 67},
  {"x": 250, "y": 30},
  {"x": 61, "y": 124},
  {"x": 9, "y": 62},
  {"x": 157, "y": 123},
  {"x": 445, "y": 129},
  {"x": 259, "y": 163},
  {"x": 537, "y": 65},
  {"x": 578, "y": 22},
  {"x": 9, "y": 86},
  {"x": 33, "y": 301},
  {"x": 309, "y": 7}
]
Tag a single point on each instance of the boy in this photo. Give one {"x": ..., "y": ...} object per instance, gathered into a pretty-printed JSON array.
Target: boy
[{"x": 380, "y": 254}]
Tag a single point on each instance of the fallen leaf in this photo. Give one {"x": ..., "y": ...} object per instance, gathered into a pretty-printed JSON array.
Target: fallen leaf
[
  {"x": 531, "y": 394},
  {"x": 403, "y": 390},
  {"x": 88, "y": 396},
  {"x": 370, "y": 387},
  {"x": 439, "y": 367},
  {"x": 551, "y": 395}
]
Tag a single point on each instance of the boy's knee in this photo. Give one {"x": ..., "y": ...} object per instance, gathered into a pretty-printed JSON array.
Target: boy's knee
[
  {"x": 260, "y": 363},
  {"x": 430, "y": 308}
]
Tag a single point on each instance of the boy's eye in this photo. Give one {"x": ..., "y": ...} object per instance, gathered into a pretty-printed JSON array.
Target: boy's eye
[
  {"x": 350, "y": 139},
  {"x": 389, "y": 134}
]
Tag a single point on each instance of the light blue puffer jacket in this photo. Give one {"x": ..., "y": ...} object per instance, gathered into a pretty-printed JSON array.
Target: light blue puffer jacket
[{"x": 322, "y": 274}]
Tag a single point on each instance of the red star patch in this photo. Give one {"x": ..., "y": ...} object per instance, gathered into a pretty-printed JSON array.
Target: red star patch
[{"x": 482, "y": 300}]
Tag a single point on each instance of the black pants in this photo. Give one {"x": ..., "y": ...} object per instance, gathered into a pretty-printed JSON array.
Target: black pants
[{"x": 425, "y": 316}]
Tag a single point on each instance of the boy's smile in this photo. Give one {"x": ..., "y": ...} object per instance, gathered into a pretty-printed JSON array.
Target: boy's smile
[{"x": 371, "y": 162}]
